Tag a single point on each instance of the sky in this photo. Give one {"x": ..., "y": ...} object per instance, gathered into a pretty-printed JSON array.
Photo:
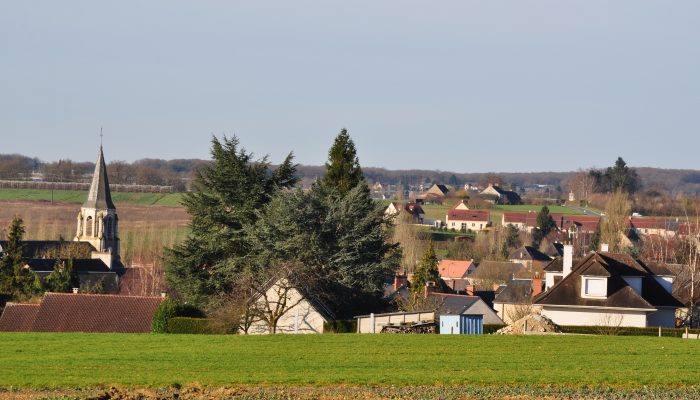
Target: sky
[{"x": 464, "y": 86}]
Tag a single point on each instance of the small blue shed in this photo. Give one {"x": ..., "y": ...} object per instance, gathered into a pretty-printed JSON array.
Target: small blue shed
[{"x": 461, "y": 324}]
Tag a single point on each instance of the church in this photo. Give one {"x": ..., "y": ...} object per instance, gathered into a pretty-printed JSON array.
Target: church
[{"x": 95, "y": 249}]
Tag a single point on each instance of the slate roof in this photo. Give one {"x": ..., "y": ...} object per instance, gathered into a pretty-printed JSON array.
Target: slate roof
[
  {"x": 99, "y": 195},
  {"x": 80, "y": 265},
  {"x": 99, "y": 313},
  {"x": 36, "y": 248},
  {"x": 517, "y": 291},
  {"x": 455, "y": 303},
  {"x": 511, "y": 269},
  {"x": 528, "y": 253},
  {"x": 556, "y": 265},
  {"x": 18, "y": 317},
  {"x": 454, "y": 269},
  {"x": 620, "y": 294}
]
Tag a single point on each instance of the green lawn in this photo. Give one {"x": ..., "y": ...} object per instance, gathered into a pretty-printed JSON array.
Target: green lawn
[
  {"x": 79, "y": 196},
  {"x": 85, "y": 360},
  {"x": 537, "y": 208}
]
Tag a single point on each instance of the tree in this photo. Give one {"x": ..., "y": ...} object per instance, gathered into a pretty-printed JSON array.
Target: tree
[
  {"x": 545, "y": 225},
  {"x": 405, "y": 232},
  {"x": 63, "y": 278},
  {"x": 619, "y": 177},
  {"x": 512, "y": 239},
  {"x": 343, "y": 170},
  {"x": 615, "y": 223},
  {"x": 226, "y": 196},
  {"x": 16, "y": 281},
  {"x": 427, "y": 271},
  {"x": 581, "y": 184},
  {"x": 595, "y": 239}
]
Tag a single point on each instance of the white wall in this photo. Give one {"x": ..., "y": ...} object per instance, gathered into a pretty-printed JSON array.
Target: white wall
[
  {"x": 549, "y": 279},
  {"x": 301, "y": 318},
  {"x": 590, "y": 317},
  {"x": 490, "y": 316}
]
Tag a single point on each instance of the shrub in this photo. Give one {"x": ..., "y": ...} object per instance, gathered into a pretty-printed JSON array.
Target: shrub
[
  {"x": 166, "y": 310},
  {"x": 340, "y": 326},
  {"x": 197, "y": 326}
]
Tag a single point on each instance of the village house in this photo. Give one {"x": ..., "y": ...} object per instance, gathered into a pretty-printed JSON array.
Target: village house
[
  {"x": 609, "y": 289},
  {"x": 73, "y": 312},
  {"x": 455, "y": 273},
  {"x": 514, "y": 301},
  {"x": 530, "y": 257},
  {"x": 497, "y": 195},
  {"x": 413, "y": 209},
  {"x": 664, "y": 228},
  {"x": 461, "y": 218},
  {"x": 294, "y": 310}
]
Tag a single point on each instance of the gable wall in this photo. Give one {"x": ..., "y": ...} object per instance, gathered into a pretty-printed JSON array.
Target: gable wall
[{"x": 590, "y": 317}]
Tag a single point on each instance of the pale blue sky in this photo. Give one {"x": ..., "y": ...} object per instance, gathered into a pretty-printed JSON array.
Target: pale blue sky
[{"x": 462, "y": 85}]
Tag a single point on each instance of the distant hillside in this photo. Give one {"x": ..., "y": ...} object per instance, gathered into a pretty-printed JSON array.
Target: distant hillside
[{"x": 178, "y": 172}]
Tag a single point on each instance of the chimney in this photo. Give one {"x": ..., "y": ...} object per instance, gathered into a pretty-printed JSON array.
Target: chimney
[
  {"x": 568, "y": 259},
  {"x": 399, "y": 280},
  {"x": 536, "y": 284},
  {"x": 429, "y": 288},
  {"x": 162, "y": 294},
  {"x": 604, "y": 247},
  {"x": 470, "y": 289},
  {"x": 75, "y": 290}
]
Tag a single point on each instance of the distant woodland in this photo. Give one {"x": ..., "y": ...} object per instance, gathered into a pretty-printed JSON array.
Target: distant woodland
[{"x": 177, "y": 173}]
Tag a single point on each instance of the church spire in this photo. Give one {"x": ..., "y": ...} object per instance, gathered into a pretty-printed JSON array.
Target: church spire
[{"x": 99, "y": 196}]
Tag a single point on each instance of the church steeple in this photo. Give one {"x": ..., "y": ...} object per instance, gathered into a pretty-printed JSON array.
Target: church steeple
[
  {"x": 99, "y": 195},
  {"x": 98, "y": 222}
]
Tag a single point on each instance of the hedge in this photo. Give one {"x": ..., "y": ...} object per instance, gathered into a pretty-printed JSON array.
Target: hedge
[
  {"x": 627, "y": 331},
  {"x": 189, "y": 325},
  {"x": 340, "y": 326}
]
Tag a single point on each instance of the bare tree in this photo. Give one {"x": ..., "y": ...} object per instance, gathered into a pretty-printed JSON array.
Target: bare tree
[
  {"x": 581, "y": 184},
  {"x": 406, "y": 234},
  {"x": 609, "y": 324},
  {"x": 692, "y": 255},
  {"x": 418, "y": 302},
  {"x": 615, "y": 223}
]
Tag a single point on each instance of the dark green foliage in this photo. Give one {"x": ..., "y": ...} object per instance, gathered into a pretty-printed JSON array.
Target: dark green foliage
[
  {"x": 595, "y": 239},
  {"x": 427, "y": 271},
  {"x": 512, "y": 239},
  {"x": 226, "y": 196},
  {"x": 340, "y": 326},
  {"x": 16, "y": 282},
  {"x": 188, "y": 325},
  {"x": 165, "y": 312},
  {"x": 617, "y": 177},
  {"x": 340, "y": 242},
  {"x": 63, "y": 278},
  {"x": 545, "y": 225},
  {"x": 343, "y": 170}
]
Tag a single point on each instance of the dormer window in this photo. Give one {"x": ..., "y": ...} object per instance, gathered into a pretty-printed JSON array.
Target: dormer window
[{"x": 594, "y": 286}]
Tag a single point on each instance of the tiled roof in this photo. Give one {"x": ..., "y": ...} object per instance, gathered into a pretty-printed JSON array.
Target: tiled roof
[
  {"x": 454, "y": 268},
  {"x": 517, "y": 291},
  {"x": 18, "y": 317},
  {"x": 67, "y": 312},
  {"x": 468, "y": 215}
]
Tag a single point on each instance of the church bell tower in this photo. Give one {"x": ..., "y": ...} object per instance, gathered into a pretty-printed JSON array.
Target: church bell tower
[{"x": 98, "y": 223}]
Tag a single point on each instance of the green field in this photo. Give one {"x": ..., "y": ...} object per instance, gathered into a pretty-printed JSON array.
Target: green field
[
  {"x": 537, "y": 208},
  {"x": 79, "y": 196},
  {"x": 98, "y": 360}
]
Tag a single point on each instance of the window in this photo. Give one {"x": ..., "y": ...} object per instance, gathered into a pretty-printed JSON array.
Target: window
[
  {"x": 595, "y": 287},
  {"x": 464, "y": 226},
  {"x": 453, "y": 224}
]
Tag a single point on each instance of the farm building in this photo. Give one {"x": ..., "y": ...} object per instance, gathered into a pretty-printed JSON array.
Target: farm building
[{"x": 460, "y": 217}]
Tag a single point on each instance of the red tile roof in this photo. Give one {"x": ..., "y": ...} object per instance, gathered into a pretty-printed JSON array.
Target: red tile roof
[
  {"x": 468, "y": 215},
  {"x": 454, "y": 269},
  {"x": 18, "y": 317},
  {"x": 67, "y": 312}
]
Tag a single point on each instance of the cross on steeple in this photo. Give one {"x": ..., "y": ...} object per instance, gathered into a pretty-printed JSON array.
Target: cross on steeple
[{"x": 100, "y": 137}]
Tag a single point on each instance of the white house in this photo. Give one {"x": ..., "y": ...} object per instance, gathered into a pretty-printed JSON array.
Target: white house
[
  {"x": 609, "y": 289},
  {"x": 295, "y": 311}
]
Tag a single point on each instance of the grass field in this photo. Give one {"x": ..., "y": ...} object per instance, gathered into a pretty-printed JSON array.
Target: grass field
[
  {"x": 84, "y": 360},
  {"x": 79, "y": 196}
]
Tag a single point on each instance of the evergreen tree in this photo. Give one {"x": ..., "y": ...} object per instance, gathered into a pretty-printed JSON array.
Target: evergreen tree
[
  {"x": 11, "y": 259},
  {"x": 343, "y": 170},
  {"x": 427, "y": 271},
  {"x": 226, "y": 197},
  {"x": 62, "y": 279},
  {"x": 545, "y": 225},
  {"x": 512, "y": 239},
  {"x": 595, "y": 239}
]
